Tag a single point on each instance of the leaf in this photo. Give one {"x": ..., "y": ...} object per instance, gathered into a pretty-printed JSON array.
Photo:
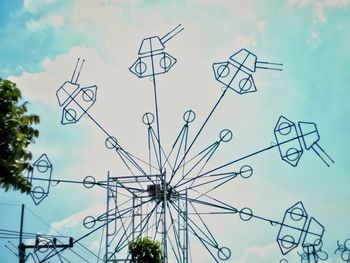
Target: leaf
[{"x": 16, "y": 134}]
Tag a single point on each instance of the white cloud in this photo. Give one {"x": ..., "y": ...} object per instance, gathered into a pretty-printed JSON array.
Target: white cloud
[
  {"x": 76, "y": 219},
  {"x": 298, "y": 2},
  {"x": 95, "y": 12},
  {"x": 238, "y": 41},
  {"x": 36, "y": 6},
  {"x": 314, "y": 38},
  {"x": 320, "y": 8},
  {"x": 261, "y": 26},
  {"x": 337, "y": 3},
  {"x": 55, "y": 21},
  {"x": 42, "y": 86},
  {"x": 320, "y": 14},
  {"x": 122, "y": 97},
  {"x": 261, "y": 254},
  {"x": 37, "y": 25}
]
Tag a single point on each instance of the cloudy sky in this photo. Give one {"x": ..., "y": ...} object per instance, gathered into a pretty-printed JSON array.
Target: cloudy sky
[{"x": 42, "y": 39}]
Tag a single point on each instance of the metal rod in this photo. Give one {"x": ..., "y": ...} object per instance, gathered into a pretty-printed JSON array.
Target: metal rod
[
  {"x": 186, "y": 227},
  {"x": 171, "y": 34},
  {"x": 208, "y": 117},
  {"x": 21, "y": 247},
  {"x": 107, "y": 216},
  {"x": 200, "y": 130},
  {"x": 75, "y": 69},
  {"x": 81, "y": 66},
  {"x": 165, "y": 232},
  {"x": 157, "y": 114}
]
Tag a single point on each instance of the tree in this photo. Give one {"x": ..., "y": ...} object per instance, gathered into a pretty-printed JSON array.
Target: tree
[
  {"x": 145, "y": 250},
  {"x": 16, "y": 133}
]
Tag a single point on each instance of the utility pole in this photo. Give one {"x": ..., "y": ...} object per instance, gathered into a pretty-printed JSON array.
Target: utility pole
[{"x": 22, "y": 247}]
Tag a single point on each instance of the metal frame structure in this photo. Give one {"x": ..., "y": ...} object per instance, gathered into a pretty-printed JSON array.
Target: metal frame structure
[
  {"x": 343, "y": 250},
  {"x": 144, "y": 217},
  {"x": 168, "y": 195}
]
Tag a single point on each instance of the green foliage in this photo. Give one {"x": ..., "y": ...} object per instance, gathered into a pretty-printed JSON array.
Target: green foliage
[
  {"x": 145, "y": 250},
  {"x": 16, "y": 133}
]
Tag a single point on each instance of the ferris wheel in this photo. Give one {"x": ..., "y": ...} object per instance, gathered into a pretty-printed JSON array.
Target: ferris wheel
[{"x": 168, "y": 194}]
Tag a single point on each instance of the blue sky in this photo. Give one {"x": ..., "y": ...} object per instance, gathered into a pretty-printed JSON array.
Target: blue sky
[{"x": 42, "y": 39}]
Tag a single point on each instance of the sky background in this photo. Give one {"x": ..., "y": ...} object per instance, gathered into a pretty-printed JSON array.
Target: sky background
[{"x": 41, "y": 40}]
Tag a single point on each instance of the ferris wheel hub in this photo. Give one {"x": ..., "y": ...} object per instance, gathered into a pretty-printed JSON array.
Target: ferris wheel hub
[{"x": 156, "y": 192}]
